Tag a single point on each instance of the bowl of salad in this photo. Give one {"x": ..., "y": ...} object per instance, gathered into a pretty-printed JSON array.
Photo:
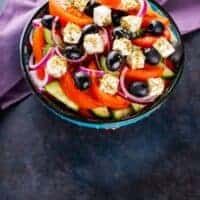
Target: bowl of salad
[{"x": 102, "y": 64}]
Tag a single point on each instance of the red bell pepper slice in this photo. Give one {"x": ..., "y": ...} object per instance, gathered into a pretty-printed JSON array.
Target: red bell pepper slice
[
  {"x": 69, "y": 15},
  {"x": 38, "y": 45},
  {"x": 83, "y": 99},
  {"x": 144, "y": 74},
  {"x": 113, "y": 102}
]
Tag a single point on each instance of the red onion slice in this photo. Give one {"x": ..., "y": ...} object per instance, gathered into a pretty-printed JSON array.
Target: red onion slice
[
  {"x": 37, "y": 22},
  {"x": 81, "y": 59},
  {"x": 92, "y": 72},
  {"x": 127, "y": 95},
  {"x": 43, "y": 60},
  {"x": 31, "y": 38},
  {"x": 106, "y": 39},
  {"x": 57, "y": 50},
  {"x": 97, "y": 61},
  {"x": 38, "y": 82},
  {"x": 143, "y": 8},
  {"x": 56, "y": 38}
]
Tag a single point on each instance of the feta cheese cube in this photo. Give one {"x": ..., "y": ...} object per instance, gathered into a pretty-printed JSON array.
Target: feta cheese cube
[
  {"x": 131, "y": 23},
  {"x": 136, "y": 59},
  {"x": 56, "y": 67},
  {"x": 80, "y": 4},
  {"x": 129, "y": 4},
  {"x": 156, "y": 86},
  {"x": 102, "y": 15},
  {"x": 123, "y": 45},
  {"x": 72, "y": 33},
  {"x": 109, "y": 84},
  {"x": 163, "y": 46},
  {"x": 93, "y": 43}
]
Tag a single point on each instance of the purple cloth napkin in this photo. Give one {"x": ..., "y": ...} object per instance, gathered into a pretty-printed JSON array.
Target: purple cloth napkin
[{"x": 16, "y": 13}]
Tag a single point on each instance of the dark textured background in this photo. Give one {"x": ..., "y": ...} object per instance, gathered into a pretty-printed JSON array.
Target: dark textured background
[{"x": 43, "y": 158}]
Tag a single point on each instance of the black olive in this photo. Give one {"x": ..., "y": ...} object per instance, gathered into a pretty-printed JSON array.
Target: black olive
[
  {"x": 177, "y": 55},
  {"x": 73, "y": 52},
  {"x": 156, "y": 28},
  {"x": 114, "y": 61},
  {"x": 119, "y": 32},
  {"x": 152, "y": 56},
  {"x": 116, "y": 16},
  {"x": 90, "y": 28},
  {"x": 82, "y": 81},
  {"x": 139, "y": 89},
  {"x": 89, "y": 10},
  {"x": 47, "y": 21}
]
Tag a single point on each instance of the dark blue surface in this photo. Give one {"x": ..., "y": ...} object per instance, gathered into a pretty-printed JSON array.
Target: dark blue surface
[{"x": 43, "y": 158}]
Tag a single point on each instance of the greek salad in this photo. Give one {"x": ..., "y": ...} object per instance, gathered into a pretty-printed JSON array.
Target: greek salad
[{"x": 104, "y": 59}]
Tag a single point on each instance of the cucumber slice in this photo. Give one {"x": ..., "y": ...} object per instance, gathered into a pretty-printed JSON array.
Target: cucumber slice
[
  {"x": 119, "y": 114},
  {"x": 104, "y": 66},
  {"x": 101, "y": 112},
  {"x": 56, "y": 91},
  {"x": 168, "y": 73},
  {"x": 48, "y": 37},
  {"x": 137, "y": 107},
  {"x": 46, "y": 48}
]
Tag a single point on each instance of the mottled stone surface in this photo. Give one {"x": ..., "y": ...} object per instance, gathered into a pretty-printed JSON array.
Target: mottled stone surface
[{"x": 43, "y": 158}]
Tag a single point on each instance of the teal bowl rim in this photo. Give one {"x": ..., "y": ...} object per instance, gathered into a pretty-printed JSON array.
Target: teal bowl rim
[{"x": 112, "y": 124}]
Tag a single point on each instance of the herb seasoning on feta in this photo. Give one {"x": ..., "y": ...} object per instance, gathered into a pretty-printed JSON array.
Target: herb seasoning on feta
[
  {"x": 163, "y": 46},
  {"x": 131, "y": 23},
  {"x": 80, "y": 4},
  {"x": 123, "y": 45},
  {"x": 93, "y": 43},
  {"x": 136, "y": 59},
  {"x": 156, "y": 86},
  {"x": 56, "y": 67},
  {"x": 129, "y": 4},
  {"x": 109, "y": 84},
  {"x": 72, "y": 33},
  {"x": 102, "y": 16}
]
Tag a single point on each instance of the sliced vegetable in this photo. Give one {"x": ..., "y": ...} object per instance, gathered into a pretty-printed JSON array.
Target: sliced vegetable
[
  {"x": 101, "y": 112},
  {"x": 31, "y": 38},
  {"x": 37, "y": 23},
  {"x": 70, "y": 14},
  {"x": 111, "y": 3},
  {"x": 56, "y": 38},
  {"x": 129, "y": 96},
  {"x": 143, "y": 8},
  {"x": 48, "y": 36},
  {"x": 106, "y": 39},
  {"x": 137, "y": 107},
  {"x": 145, "y": 42},
  {"x": 83, "y": 99},
  {"x": 46, "y": 48},
  {"x": 40, "y": 78},
  {"x": 158, "y": 16},
  {"x": 145, "y": 73},
  {"x": 43, "y": 60},
  {"x": 55, "y": 90},
  {"x": 38, "y": 43},
  {"x": 91, "y": 72},
  {"x": 121, "y": 113},
  {"x": 111, "y": 101},
  {"x": 148, "y": 19},
  {"x": 167, "y": 73}
]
